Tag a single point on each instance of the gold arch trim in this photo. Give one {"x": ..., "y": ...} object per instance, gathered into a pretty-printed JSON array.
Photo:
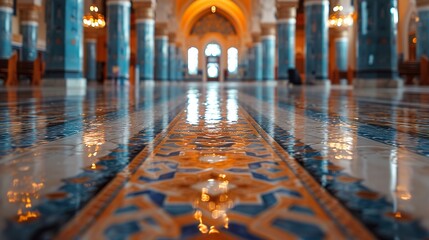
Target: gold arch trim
[{"x": 227, "y": 8}]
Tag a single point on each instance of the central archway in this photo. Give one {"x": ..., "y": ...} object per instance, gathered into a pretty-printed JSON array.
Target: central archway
[{"x": 227, "y": 8}]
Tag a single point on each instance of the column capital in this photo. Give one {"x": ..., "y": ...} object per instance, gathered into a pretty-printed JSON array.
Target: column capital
[
  {"x": 172, "y": 38},
  {"x": 29, "y": 12},
  {"x": 340, "y": 32},
  {"x": 6, "y": 3},
  {"x": 161, "y": 29},
  {"x": 144, "y": 9},
  {"x": 286, "y": 9},
  {"x": 268, "y": 29},
  {"x": 91, "y": 33},
  {"x": 118, "y": 2},
  {"x": 422, "y": 3},
  {"x": 256, "y": 37}
]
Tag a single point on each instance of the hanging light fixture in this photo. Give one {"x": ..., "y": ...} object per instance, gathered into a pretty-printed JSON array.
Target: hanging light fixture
[
  {"x": 213, "y": 9},
  {"x": 94, "y": 19},
  {"x": 339, "y": 18}
]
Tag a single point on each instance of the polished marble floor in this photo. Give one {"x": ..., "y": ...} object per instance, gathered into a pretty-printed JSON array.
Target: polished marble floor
[{"x": 214, "y": 161}]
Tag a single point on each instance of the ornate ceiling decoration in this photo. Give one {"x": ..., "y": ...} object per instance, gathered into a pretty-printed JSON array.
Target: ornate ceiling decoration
[{"x": 213, "y": 23}]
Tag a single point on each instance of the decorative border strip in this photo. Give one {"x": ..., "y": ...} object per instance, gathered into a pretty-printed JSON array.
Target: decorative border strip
[
  {"x": 333, "y": 207},
  {"x": 82, "y": 221},
  {"x": 370, "y": 207},
  {"x": 77, "y": 192}
]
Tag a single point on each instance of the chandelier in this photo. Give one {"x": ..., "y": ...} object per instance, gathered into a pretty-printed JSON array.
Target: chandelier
[
  {"x": 94, "y": 19},
  {"x": 340, "y": 19}
]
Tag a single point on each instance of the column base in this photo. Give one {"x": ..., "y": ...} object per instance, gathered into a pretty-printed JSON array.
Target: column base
[
  {"x": 65, "y": 82},
  {"x": 378, "y": 83},
  {"x": 65, "y": 86},
  {"x": 326, "y": 83},
  {"x": 319, "y": 82}
]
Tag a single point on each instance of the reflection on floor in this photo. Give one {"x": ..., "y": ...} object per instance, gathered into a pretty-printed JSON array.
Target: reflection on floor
[{"x": 179, "y": 161}]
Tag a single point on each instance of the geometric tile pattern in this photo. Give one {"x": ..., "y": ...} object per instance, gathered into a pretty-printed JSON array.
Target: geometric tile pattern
[
  {"x": 375, "y": 211},
  {"x": 214, "y": 178}
]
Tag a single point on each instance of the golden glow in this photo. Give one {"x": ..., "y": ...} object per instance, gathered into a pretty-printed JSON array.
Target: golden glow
[
  {"x": 213, "y": 205},
  {"x": 230, "y": 10},
  {"x": 93, "y": 19},
  {"x": 213, "y": 8},
  {"x": 339, "y": 18},
  {"x": 24, "y": 195},
  {"x": 414, "y": 40}
]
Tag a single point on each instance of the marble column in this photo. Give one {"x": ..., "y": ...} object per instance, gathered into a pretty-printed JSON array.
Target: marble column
[
  {"x": 249, "y": 63},
  {"x": 161, "y": 52},
  {"x": 268, "y": 51},
  {"x": 342, "y": 50},
  {"x": 145, "y": 25},
  {"x": 6, "y": 11},
  {"x": 91, "y": 58},
  {"x": 258, "y": 60},
  {"x": 317, "y": 41},
  {"x": 286, "y": 28},
  {"x": 29, "y": 16},
  {"x": 423, "y": 28},
  {"x": 172, "y": 55},
  {"x": 377, "y": 62},
  {"x": 179, "y": 63},
  {"x": 118, "y": 39},
  {"x": 64, "y": 43}
]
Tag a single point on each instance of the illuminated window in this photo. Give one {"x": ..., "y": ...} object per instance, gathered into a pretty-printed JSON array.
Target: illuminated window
[
  {"x": 232, "y": 60},
  {"x": 213, "y": 50},
  {"x": 193, "y": 61}
]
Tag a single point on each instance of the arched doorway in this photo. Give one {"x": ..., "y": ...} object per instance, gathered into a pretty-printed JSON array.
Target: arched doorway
[{"x": 213, "y": 54}]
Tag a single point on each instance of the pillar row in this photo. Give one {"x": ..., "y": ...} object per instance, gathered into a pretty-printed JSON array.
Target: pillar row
[
  {"x": 145, "y": 25},
  {"x": 118, "y": 39},
  {"x": 64, "y": 40},
  {"x": 6, "y": 11},
  {"x": 423, "y": 28},
  {"x": 29, "y": 29},
  {"x": 317, "y": 40},
  {"x": 258, "y": 58},
  {"x": 172, "y": 57},
  {"x": 268, "y": 51},
  {"x": 286, "y": 28},
  {"x": 377, "y": 61},
  {"x": 161, "y": 52}
]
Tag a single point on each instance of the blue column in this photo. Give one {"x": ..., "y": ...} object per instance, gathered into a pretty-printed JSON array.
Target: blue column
[
  {"x": 269, "y": 49},
  {"x": 172, "y": 68},
  {"x": 377, "y": 34},
  {"x": 29, "y": 31},
  {"x": 317, "y": 40},
  {"x": 342, "y": 56},
  {"x": 146, "y": 48},
  {"x": 91, "y": 59},
  {"x": 64, "y": 39},
  {"x": 423, "y": 32},
  {"x": 179, "y": 64},
  {"x": 118, "y": 39},
  {"x": 5, "y": 32},
  {"x": 161, "y": 58},
  {"x": 250, "y": 63},
  {"x": 258, "y": 73},
  {"x": 286, "y": 46}
]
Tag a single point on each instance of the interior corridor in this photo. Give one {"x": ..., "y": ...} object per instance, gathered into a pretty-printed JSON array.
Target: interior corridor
[{"x": 214, "y": 161}]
